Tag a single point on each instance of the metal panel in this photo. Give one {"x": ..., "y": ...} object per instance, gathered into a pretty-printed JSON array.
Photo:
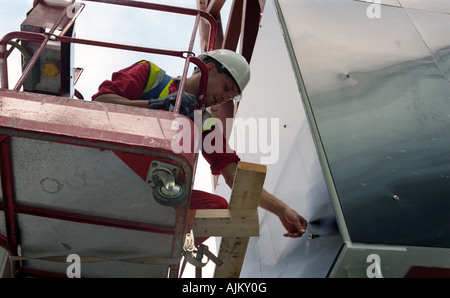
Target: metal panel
[
  {"x": 5, "y": 265},
  {"x": 293, "y": 169},
  {"x": 380, "y": 102},
  {"x": 440, "y": 6},
  {"x": 83, "y": 180},
  {"x": 394, "y": 261},
  {"x": 433, "y": 28},
  {"x": 79, "y": 183},
  {"x": 45, "y": 237},
  {"x": 375, "y": 90}
]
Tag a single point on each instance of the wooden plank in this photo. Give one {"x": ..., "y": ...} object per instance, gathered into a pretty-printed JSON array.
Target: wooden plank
[
  {"x": 247, "y": 188},
  {"x": 226, "y": 223},
  {"x": 232, "y": 253}
]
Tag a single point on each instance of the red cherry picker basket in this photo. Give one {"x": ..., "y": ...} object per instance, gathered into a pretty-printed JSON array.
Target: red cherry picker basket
[{"x": 84, "y": 181}]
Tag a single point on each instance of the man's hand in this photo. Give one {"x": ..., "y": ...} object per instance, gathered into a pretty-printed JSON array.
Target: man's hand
[
  {"x": 294, "y": 223},
  {"x": 187, "y": 107}
]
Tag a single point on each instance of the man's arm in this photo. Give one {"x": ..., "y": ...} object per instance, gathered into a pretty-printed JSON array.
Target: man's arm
[
  {"x": 293, "y": 222},
  {"x": 117, "y": 99}
]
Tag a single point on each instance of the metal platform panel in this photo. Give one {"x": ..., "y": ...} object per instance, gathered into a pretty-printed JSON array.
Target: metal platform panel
[{"x": 75, "y": 180}]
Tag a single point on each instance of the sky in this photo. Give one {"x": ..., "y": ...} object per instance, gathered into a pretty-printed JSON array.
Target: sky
[
  {"x": 132, "y": 26},
  {"x": 112, "y": 23}
]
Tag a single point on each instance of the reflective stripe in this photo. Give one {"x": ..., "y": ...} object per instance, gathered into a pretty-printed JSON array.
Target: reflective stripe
[
  {"x": 208, "y": 122},
  {"x": 165, "y": 91},
  {"x": 154, "y": 70},
  {"x": 161, "y": 90},
  {"x": 158, "y": 82},
  {"x": 157, "y": 87}
]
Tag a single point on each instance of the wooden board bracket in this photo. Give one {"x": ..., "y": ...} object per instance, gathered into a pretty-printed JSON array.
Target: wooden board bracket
[{"x": 236, "y": 224}]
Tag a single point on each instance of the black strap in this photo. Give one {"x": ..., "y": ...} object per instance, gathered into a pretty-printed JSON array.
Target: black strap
[{"x": 202, "y": 250}]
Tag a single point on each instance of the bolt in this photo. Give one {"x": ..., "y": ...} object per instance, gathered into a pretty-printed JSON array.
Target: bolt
[{"x": 312, "y": 236}]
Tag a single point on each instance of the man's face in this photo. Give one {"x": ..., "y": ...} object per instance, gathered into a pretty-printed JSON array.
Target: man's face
[{"x": 221, "y": 88}]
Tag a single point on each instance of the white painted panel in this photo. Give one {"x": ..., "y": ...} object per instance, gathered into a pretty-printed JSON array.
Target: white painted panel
[{"x": 272, "y": 99}]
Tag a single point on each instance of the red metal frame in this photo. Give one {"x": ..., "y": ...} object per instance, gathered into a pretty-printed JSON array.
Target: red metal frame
[
  {"x": 8, "y": 193},
  {"x": 8, "y": 206},
  {"x": 56, "y": 133},
  {"x": 45, "y": 37}
]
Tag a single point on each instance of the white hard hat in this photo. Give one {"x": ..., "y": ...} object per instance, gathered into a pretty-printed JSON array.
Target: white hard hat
[{"x": 234, "y": 63}]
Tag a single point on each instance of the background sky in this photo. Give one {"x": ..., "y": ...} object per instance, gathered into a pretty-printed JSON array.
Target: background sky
[
  {"x": 132, "y": 26},
  {"x": 117, "y": 24}
]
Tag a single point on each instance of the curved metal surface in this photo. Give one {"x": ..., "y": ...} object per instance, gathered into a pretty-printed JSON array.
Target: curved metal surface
[
  {"x": 379, "y": 93},
  {"x": 364, "y": 114}
]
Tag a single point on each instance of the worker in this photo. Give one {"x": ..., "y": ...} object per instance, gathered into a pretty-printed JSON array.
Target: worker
[{"x": 146, "y": 85}]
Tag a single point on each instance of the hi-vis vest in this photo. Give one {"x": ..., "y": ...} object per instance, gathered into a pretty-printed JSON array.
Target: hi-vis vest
[
  {"x": 157, "y": 87},
  {"x": 158, "y": 82}
]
